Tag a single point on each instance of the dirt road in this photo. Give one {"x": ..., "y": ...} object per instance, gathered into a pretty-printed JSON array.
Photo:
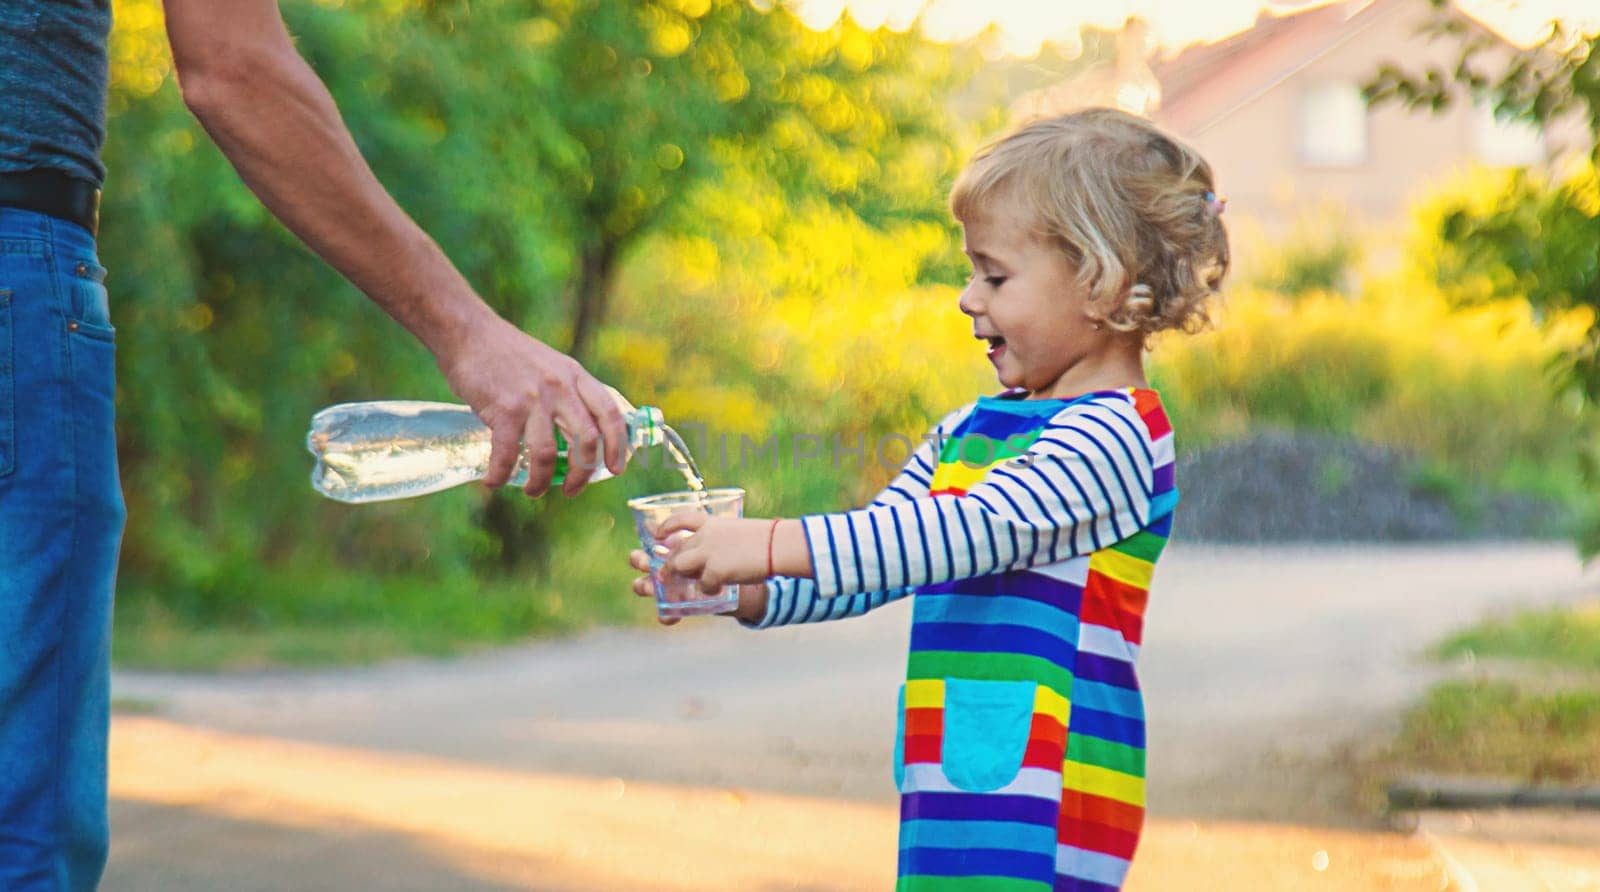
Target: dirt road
[{"x": 709, "y": 757}]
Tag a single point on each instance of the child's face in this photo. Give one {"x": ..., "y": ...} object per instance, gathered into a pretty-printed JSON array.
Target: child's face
[{"x": 1024, "y": 299}]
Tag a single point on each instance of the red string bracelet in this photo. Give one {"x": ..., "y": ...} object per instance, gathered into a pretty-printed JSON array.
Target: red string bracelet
[{"x": 772, "y": 533}]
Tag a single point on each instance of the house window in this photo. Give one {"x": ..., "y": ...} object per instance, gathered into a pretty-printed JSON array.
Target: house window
[
  {"x": 1504, "y": 143},
  {"x": 1333, "y": 126}
]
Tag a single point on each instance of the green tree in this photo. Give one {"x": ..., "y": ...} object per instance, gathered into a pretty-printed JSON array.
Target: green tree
[
  {"x": 665, "y": 102},
  {"x": 546, "y": 144},
  {"x": 1539, "y": 237},
  {"x": 654, "y": 98}
]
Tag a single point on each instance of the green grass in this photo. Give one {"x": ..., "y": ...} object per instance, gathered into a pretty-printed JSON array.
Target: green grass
[
  {"x": 1499, "y": 729},
  {"x": 135, "y": 706},
  {"x": 1565, "y": 637},
  {"x": 307, "y": 610},
  {"x": 321, "y": 616},
  {"x": 1536, "y": 727},
  {"x": 167, "y": 644}
]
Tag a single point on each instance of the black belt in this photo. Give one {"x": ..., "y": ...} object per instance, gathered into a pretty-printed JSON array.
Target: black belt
[{"x": 52, "y": 192}]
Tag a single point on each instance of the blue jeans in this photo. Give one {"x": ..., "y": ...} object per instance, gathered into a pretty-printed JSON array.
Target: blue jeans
[{"x": 61, "y": 517}]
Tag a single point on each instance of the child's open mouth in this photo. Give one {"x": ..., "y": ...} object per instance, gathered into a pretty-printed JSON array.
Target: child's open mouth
[{"x": 997, "y": 346}]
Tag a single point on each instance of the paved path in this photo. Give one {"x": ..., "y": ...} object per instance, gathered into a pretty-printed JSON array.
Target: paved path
[{"x": 709, "y": 757}]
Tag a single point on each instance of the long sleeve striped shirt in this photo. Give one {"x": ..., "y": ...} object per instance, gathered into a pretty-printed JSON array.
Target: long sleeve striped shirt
[{"x": 1085, "y": 480}]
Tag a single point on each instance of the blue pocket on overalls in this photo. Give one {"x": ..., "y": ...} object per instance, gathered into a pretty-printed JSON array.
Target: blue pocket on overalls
[{"x": 986, "y": 727}]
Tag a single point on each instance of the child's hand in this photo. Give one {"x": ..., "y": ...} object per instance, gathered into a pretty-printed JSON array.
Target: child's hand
[
  {"x": 720, "y": 552},
  {"x": 645, "y": 586},
  {"x": 725, "y": 550},
  {"x": 752, "y": 598}
]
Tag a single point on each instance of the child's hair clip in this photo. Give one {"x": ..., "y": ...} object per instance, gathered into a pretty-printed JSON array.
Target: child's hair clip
[{"x": 1215, "y": 203}]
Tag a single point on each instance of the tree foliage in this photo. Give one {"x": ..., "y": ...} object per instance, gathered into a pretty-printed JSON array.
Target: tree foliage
[
  {"x": 549, "y": 146},
  {"x": 1536, "y": 236}
]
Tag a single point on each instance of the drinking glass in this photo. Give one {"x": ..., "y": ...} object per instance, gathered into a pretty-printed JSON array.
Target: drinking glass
[{"x": 675, "y": 595}]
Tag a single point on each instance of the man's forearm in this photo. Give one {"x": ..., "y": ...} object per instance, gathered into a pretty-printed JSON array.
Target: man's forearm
[{"x": 275, "y": 121}]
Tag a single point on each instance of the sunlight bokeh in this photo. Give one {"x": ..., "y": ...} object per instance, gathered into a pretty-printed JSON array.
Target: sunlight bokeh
[{"x": 1023, "y": 26}]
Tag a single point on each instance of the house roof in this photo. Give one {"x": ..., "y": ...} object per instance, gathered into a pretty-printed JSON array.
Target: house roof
[
  {"x": 1180, "y": 72},
  {"x": 1203, "y": 84}
]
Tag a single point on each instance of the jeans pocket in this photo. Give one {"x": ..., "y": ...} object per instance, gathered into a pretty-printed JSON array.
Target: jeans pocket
[
  {"x": 8, "y": 389},
  {"x": 986, "y": 727},
  {"x": 91, "y": 305},
  {"x": 91, "y": 357}
]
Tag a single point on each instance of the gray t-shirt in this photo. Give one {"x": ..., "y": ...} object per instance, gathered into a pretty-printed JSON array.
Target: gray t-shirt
[{"x": 53, "y": 81}]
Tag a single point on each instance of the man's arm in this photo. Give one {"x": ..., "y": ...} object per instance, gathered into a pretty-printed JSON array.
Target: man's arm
[{"x": 276, "y": 123}]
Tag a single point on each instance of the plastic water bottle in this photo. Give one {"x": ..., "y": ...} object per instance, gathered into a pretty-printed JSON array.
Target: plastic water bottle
[{"x": 397, "y": 449}]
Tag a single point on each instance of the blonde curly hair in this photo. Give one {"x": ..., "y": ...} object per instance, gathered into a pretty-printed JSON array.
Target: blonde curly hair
[{"x": 1134, "y": 209}]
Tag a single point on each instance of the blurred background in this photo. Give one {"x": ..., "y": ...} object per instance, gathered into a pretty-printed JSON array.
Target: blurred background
[
  {"x": 735, "y": 210},
  {"x": 737, "y": 214}
]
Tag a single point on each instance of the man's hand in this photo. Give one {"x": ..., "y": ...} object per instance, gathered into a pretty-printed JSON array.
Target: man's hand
[{"x": 523, "y": 390}]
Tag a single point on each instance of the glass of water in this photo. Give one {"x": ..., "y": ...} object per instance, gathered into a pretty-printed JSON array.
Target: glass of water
[{"x": 675, "y": 595}]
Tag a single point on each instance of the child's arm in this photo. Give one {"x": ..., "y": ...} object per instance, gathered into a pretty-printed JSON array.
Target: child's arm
[
  {"x": 790, "y": 599},
  {"x": 1087, "y": 483}
]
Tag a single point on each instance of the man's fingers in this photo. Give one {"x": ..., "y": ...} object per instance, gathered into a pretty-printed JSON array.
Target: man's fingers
[
  {"x": 605, "y": 413},
  {"x": 639, "y": 560},
  {"x": 504, "y": 449},
  {"x": 539, "y": 441}
]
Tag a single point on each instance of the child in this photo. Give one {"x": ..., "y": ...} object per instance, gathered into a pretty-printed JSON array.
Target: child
[{"x": 1028, "y": 524}]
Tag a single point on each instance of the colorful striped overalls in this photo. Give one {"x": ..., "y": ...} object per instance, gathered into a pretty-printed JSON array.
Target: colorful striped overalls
[{"x": 1021, "y": 752}]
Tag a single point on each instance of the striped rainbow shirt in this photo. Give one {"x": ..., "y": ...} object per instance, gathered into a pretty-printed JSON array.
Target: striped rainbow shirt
[{"x": 1028, "y": 531}]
